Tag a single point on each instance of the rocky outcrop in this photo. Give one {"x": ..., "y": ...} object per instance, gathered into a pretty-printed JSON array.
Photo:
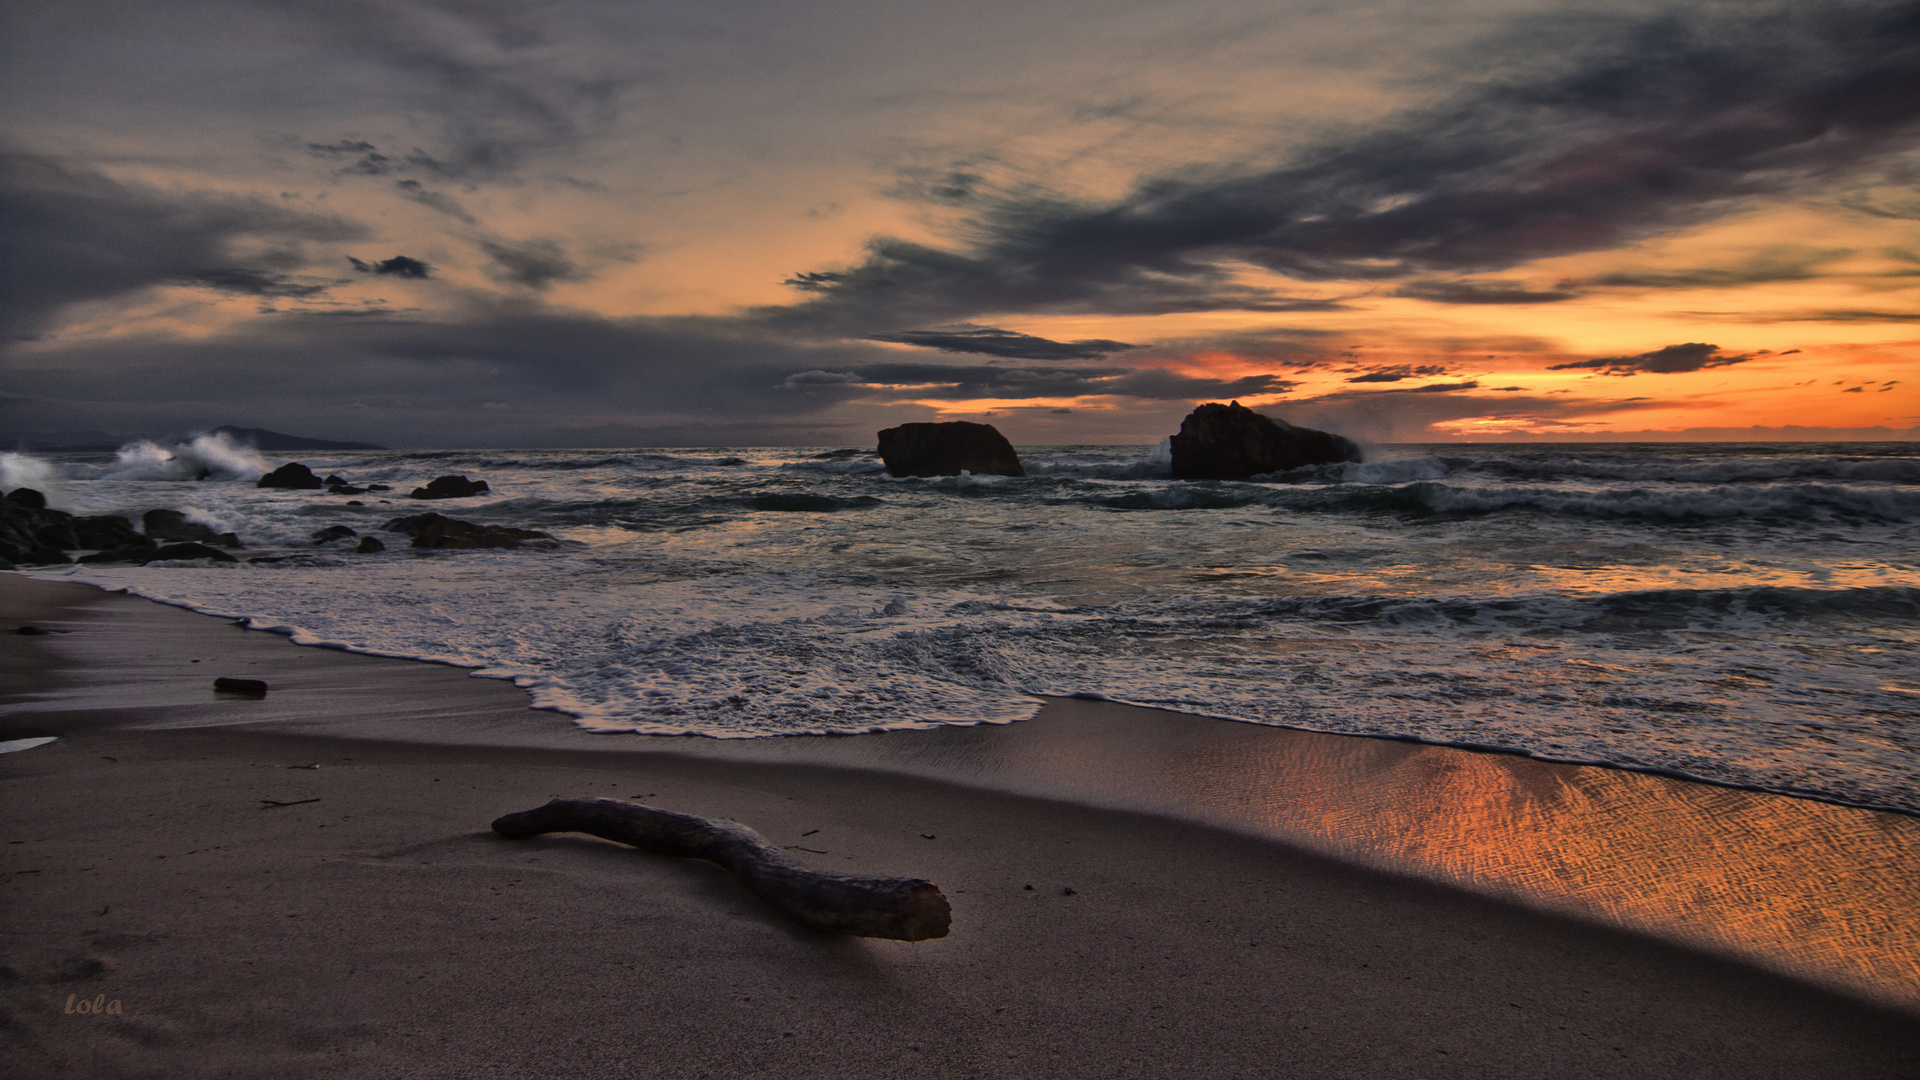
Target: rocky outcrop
[
  {"x": 1232, "y": 442},
  {"x": 166, "y": 525},
  {"x": 369, "y": 545},
  {"x": 293, "y": 476},
  {"x": 449, "y": 487},
  {"x": 332, "y": 533},
  {"x": 948, "y": 450},
  {"x": 32, "y": 534},
  {"x": 108, "y": 532},
  {"x": 436, "y": 531}
]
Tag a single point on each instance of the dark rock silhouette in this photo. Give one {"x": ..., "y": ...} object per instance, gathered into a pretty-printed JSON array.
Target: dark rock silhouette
[
  {"x": 333, "y": 532},
  {"x": 189, "y": 551},
  {"x": 33, "y": 534},
  {"x": 449, "y": 487},
  {"x": 1232, "y": 442},
  {"x": 292, "y": 475},
  {"x": 164, "y": 525},
  {"x": 437, "y": 531},
  {"x": 369, "y": 545},
  {"x": 948, "y": 450},
  {"x": 107, "y": 532}
]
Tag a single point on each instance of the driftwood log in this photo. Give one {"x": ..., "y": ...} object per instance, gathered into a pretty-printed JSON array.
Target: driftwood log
[{"x": 903, "y": 909}]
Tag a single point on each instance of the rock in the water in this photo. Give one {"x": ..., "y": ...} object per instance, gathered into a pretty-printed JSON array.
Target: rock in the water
[
  {"x": 369, "y": 545},
  {"x": 34, "y": 535},
  {"x": 188, "y": 551},
  {"x": 333, "y": 532},
  {"x": 164, "y": 525},
  {"x": 27, "y": 498},
  {"x": 105, "y": 532},
  {"x": 436, "y": 531},
  {"x": 449, "y": 487},
  {"x": 292, "y": 475},
  {"x": 1232, "y": 442},
  {"x": 948, "y": 449}
]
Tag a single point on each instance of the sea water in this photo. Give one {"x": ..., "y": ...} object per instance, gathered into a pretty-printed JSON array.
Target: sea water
[{"x": 1746, "y": 614}]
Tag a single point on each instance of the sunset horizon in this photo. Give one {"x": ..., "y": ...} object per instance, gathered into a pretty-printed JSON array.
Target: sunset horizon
[{"x": 574, "y": 225}]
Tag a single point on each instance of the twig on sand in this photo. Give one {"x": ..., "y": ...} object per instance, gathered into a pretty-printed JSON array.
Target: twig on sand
[
  {"x": 904, "y": 909},
  {"x": 271, "y": 803}
]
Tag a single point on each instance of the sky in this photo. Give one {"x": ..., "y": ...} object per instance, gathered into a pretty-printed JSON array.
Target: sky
[{"x": 493, "y": 223}]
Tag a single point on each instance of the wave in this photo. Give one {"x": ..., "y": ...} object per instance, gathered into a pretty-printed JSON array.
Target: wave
[{"x": 1745, "y": 470}]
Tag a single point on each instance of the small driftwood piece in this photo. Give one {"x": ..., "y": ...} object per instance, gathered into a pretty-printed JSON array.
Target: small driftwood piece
[{"x": 903, "y": 909}]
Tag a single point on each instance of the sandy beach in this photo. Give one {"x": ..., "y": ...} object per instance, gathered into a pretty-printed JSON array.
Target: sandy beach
[{"x": 1135, "y": 894}]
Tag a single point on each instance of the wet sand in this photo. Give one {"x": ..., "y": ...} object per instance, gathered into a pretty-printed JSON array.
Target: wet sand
[{"x": 1246, "y": 901}]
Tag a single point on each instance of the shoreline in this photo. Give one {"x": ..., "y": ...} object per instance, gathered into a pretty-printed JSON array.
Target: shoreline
[{"x": 1185, "y": 835}]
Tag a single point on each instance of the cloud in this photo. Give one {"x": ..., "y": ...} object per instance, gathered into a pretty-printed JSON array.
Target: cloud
[
  {"x": 486, "y": 75},
  {"x": 1399, "y": 372},
  {"x": 1479, "y": 292},
  {"x": 1574, "y": 136},
  {"x": 990, "y": 341},
  {"x": 960, "y": 382},
  {"x": 1671, "y": 360},
  {"x": 536, "y": 264},
  {"x": 1774, "y": 264},
  {"x": 74, "y": 234},
  {"x": 398, "y": 266},
  {"x": 434, "y": 200}
]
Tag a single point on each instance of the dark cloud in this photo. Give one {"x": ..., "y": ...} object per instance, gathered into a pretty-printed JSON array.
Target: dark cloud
[
  {"x": 1778, "y": 264},
  {"x": 398, "y": 266},
  {"x": 486, "y": 75},
  {"x": 960, "y": 382},
  {"x": 1479, "y": 292},
  {"x": 1576, "y": 136},
  {"x": 73, "y": 234},
  {"x": 1399, "y": 372},
  {"x": 1671, "y": 360},
  {"x": 536, "y": 264},
  {"x": 991, "y": 341},
  {"x": 436, "y": 201}
]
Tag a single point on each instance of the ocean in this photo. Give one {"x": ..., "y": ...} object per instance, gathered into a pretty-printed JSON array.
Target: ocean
[{"x": 1744, "y": 614}]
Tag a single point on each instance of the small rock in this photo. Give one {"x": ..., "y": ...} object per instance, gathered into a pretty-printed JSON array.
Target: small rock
[
  {"x": 30, "y": 631},
  {"x": 332, "y": 532},
  {"x": 253, "y": 687},
  {"x": 369, "y": 545},
  {"x": 173, "y": 525},
  {"x": 437, "y": 531},
  {"x": 188, "y": 551},
  {"x": 449, "y": 487},
  {"x": 293, "y": 476}
]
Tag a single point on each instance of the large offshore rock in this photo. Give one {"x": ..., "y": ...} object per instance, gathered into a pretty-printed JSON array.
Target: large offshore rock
[
  {"x": 948, "y": 450},
  {"x": 449, "y": 487},
  {"x": 31, "y": 533},
  {"x": 1232, "y": 442},
  {"x": 107, "y": 532},
  {"x": 292, "y": 475}
]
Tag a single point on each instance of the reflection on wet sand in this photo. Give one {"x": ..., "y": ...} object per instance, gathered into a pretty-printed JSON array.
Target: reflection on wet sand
[{"x": 1829, "y": 893}]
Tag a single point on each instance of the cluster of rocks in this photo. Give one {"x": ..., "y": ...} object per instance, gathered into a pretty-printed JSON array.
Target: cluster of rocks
[
  {"x": 33, "y": 534},
  {"x": 294, "y": 476},
  {"x": 1216, "y": 442}
]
